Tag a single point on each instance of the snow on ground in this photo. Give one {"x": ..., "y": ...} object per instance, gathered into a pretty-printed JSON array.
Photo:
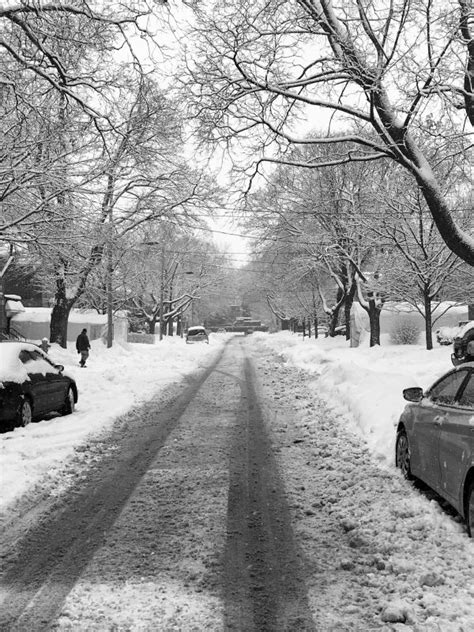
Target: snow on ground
[
  {"x": 114, "y": 381},
  {"x": 364, "y": 383},
  {"x": 383, "y": 554},
  {"x": 412, "y": 560}
]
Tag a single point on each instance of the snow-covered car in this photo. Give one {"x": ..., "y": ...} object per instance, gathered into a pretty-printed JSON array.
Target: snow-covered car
[
  {"x": 197, "y": 334},
  {"x": 463, "y": 344},
  {"x": 446, "y": 335},
  {"x": 31, "y": 385},
  {"x": 435, "y": 439}
]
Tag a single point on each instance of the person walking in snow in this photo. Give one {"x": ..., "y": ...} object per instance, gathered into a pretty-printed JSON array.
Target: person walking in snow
[{"x": 83, "y": 345}]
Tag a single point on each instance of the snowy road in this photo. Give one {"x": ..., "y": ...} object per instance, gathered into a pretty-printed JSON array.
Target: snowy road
[{"x": 237, "y": 501}]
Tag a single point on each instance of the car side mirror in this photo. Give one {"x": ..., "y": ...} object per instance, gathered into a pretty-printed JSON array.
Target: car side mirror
[
  {"x": 59, "y": 367},
  {"x": 413, "y": 394}
]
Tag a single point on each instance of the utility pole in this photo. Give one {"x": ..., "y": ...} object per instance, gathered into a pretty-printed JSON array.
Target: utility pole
[
  {"x": 110, "y": 269},
  {"x": 162, "y": 287}
]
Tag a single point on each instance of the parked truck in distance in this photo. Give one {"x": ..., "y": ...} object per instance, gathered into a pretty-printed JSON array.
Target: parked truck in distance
[
  {"x": 242, "y": 324},
  {"x": 247, "y": 325}
]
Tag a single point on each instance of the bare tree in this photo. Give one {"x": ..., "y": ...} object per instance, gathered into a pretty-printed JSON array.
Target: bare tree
[
  {"x": 385, "y": 76},
  {"x": 420, "y": 267},
  {"x": 32, "y": 34},
  {"x": 57, "y": 57},
  {"x": 317, "y": 221},
  {"x": 136, "y": 176}
]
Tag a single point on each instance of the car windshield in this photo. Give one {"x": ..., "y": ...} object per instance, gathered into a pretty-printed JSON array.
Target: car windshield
[
  {"x": 445, "y": 391},
  {"x": 11, "y": 367},
  {"x": 35, "y": 362}
]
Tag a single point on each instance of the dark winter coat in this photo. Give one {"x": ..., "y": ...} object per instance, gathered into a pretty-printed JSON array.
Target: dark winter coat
[{"x": 82, "y": 343}]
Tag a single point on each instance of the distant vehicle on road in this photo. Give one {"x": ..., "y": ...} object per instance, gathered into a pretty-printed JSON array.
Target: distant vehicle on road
[
  {"x": 247, "y": 325},
  {"x": 435, "y": 439},
  {"x": 242, "y": 325},
  {"x": 463, "y": 344},
  {"x": 31, "y": 386},
  {"x": 197, "y": 334}
]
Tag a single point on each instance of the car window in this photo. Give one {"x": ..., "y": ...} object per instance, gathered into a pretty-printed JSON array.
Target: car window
[
  {"x": 445, "y": 391},
  {"x": 467, "y": 396},
  {"x": 36, "y": 363},
  {"x": 25, "y": 356}
]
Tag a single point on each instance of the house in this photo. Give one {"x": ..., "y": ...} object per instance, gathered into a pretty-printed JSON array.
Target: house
[{"x": 34, "y": 322}]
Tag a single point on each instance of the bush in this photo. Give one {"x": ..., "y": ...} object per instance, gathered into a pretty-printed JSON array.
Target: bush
[
  {"x": 405, "y": 332},
  {"x": 148, "y": 339}
]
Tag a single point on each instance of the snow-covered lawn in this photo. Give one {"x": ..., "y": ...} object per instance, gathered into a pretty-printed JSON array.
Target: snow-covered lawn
[{"x": 114, "y": 381}]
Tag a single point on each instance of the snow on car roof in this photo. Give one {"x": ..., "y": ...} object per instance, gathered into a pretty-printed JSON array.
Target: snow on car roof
[
  {"x": 12, "y": 368},
  {"x": 465, "y": 328},
  {"x": 196, "y": 328}
]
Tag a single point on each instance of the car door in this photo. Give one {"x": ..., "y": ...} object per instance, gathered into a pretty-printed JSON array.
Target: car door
[
  {"x": 36, "y": 384},
  {"x": 456, "y": 444},
  {"x": 430, "y": 416},
  {"x": 55, "y": 384}
]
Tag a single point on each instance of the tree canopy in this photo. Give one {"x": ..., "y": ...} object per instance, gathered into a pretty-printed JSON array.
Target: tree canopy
[{"x": 381, "y": 80}]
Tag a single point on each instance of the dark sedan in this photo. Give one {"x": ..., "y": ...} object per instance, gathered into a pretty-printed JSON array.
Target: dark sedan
[
  {"x": 435, "y": 439},
  {"x": 197, "y": 334},
  {"x": 31, "y": 385}
]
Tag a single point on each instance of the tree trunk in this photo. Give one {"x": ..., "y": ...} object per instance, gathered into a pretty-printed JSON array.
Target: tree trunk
[
  {"x": 151, "y": 325},
  {"x": 428, "y": 320},
  {"x": 347, "y": 308},
  {"x": 334, "y": 315},
  {"x": 59, "y": 322},
  {"x": 304, "y": 328},
  {"x": 333, "y": 320},
  {"x": 3, "y": 315},
  {"x": 374, "y": 320}
]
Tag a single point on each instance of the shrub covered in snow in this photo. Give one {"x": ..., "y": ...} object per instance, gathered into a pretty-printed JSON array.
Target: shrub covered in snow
[{"x": 405, "y": 332}]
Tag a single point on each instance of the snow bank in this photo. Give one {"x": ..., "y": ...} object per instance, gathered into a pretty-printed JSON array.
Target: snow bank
[
  {"x": 363, "y": 384},
  {"x": 114, "y": 381}
]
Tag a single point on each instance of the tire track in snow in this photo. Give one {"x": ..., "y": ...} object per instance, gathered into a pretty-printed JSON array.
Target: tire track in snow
[
  {"x": 264, "y": 589},
  {"x": 45, "y": 566}
]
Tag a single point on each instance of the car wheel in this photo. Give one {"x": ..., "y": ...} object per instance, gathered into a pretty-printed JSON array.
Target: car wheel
[
  {"x": 68, "y": 407},
  {"x": 470, "y": 510},
  {"x": 25, "y": 414},
  {"x": 402, "y": 454}
]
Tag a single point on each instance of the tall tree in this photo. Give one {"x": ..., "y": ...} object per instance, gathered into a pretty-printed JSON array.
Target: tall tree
[
  {"x": 420, "y": 268},
  {"x": 376, "y": 72},
  {"x": 56, "y": 51}
]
